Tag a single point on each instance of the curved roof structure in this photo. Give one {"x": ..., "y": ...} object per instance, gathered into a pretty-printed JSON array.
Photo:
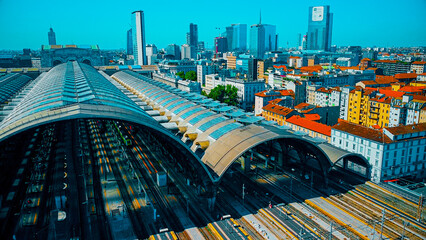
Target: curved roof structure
[
  {"x": 213, "y": 133},
  {"x": 73, "y": 90},
  {"x": 223, "y": 133}
]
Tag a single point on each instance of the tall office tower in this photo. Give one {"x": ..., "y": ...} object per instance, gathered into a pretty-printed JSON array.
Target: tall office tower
[
  {"x": 220, "y": 45},
  {"x": 299, "y": 41},
  {"x": 193, "y": 40},
  {"x": 237, "y": 37},
  {"x": 201, "y": 46},
  {"x": 151, "y": 50},
  {"x": 319, "y": 28},
  {"x": 262, "y": 39},
  {"x": 129, "y": 42},
  {"x": 52, "y": 37},
  {"x": 185, "y": 51},
  {"x": 173, "y": 52},
  {"x": 138, "y": 32}
]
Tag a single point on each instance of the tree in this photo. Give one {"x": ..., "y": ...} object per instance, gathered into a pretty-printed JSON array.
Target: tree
[
  {"x": 204, "y": 93},
  {"x": 181, "y": 75},
  {"x": 225, "y": 94},
  {"x": 191, "y": 75}
]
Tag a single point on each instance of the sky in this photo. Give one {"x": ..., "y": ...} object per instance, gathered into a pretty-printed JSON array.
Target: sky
[{"x": 366, "y": 23}]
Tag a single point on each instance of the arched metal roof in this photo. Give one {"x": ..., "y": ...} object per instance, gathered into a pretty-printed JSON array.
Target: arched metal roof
[
  {"x": 227, "y": 137},
  {"x": 73, "y": 90}
]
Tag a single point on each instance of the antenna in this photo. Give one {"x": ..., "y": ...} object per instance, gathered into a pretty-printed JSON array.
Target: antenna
[{"x": 260, "y": 19}]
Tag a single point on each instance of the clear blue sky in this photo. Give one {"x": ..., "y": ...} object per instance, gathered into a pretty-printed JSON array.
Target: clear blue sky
[{"x": 25, "y": 23}]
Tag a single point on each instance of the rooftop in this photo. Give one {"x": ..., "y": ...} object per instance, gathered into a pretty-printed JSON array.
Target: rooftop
[
  {"x": 406, "y": 129},
  {"x": 278, "y": 109},
  {"x": 405, "y": 75},
  {"x": 361, "y": 131},
  {"x": 311, "y": 125}
]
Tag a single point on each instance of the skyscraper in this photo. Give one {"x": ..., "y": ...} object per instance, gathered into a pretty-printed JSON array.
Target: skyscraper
[
  {"x": 52, "y": 37},
  {"x": 262, "y": 39},
  {"x": 129, "y": 42},
  {"x": 319, "y": 28},
  {"x": 193, "y": 39},
  {"x": 220, "y": 45},
  {"x": 138, "y": 32},
  {"x": 237, "y": 37}
]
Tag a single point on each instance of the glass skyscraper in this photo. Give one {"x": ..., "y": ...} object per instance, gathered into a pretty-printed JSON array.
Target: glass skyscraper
[
  {"x": 237, "y": 37},
  {"x": 319, "y": 28},
  {"x": 138, "y": 32},
  {"x": 262, "y": 39},
  {"x": 129, "y": 42}
]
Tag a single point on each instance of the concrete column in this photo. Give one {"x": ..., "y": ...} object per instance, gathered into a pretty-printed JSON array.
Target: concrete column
[{"x": 245, "y": 163}]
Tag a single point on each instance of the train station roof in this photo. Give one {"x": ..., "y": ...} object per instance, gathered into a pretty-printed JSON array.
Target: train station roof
[
  {"x": 229, "y": 131},
  {"x": 218, "y": 133}
]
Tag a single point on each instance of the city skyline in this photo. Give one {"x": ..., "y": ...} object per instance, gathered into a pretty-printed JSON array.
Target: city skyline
[{"x": 378, "y": 23}]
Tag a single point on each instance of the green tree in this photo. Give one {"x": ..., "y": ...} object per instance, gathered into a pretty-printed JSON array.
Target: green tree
[
  {"x": 191, "y": 75},
  {"x": 181, "y": 75},
  {"x": 225, "y": 94},
  {"x": 204, "y": 93}
]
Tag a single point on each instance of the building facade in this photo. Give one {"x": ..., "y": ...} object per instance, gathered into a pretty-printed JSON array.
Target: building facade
[
  {"x": 263, "y": 38},
  {"x": 138, "y": 31},
  {"x": 236, "y": 35},
  {"x": 392, "y": 153},
  {"x": 319, "y": 28},
  {"x": 129, "y": 42}
]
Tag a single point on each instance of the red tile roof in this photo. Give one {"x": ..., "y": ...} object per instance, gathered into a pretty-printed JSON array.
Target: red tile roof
[
  {"x": 405, "y": 129},
  {"x": 365, "y": 59},
  {"x": 412, "y": 89},
  {"x": 312, "y": 117},
  {"x": 386, "y": 61},
  {"x": 311, "y": 125},
  {"x": 277, "y": 93},
  {"x": 311, "y": 69},
  {"x": 277, "y": 109},
  {"x": 380, "y": 79},
  {"x": 361, "y": 131},
  {"x": 405, "y": 75},
  {"x": 391, "y": 93},
  {"x": 418, "y": 63},
  {"x": 301, "y": 105}
]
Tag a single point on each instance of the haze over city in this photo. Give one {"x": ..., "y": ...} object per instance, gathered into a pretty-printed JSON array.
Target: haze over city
[{"x": 365, "y": 23}]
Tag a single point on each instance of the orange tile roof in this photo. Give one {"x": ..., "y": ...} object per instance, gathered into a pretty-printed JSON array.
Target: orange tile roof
[
  {"x": 369, "y": 82},
  {"x": 405, "y": 129},
  {"x": 390, "y": 93},
  {"x": 324, "y": 90},
  {"x": 419, "y": 97},
  {"x": 410, "y": 89},
  {"x": 301, "y": 105},
  {"x": 277, "y": 109},
  {"x": 277, "y": 93},
  {"x": 311, "y": 125},
  {"x": 361, "y": 131},
  {"x": 312, "y": 117},
  {"x": 295, "y": 57},
  {"x": 311, "y": 69},
  {"x": 418, "y": 63},
  {"x": 405, "y": 75},
  {"x": 386, "y": 61},
  {"x": 380, "y": 79}
]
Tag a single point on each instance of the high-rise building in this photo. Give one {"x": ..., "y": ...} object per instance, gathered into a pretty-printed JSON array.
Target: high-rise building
[
  {"x": 138, "y": 32},
  {"x": 173, "y": 52},
  {"x": 237, "y": 37},
  {"x": 319, "y": 28},
  {"x": 262, "y": 39},
  {"x": 185, "y": 51},
  {"x": 192, "y": 39},
  {"x": 151, "y": 50},
  {"x": 220, "y": 45},
  {"x": 52, "y": 37},
  {"x": 129, "y": 42}
]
